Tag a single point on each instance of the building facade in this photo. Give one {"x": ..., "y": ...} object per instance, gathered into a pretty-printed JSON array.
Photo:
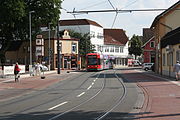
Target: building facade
[
  {"x": 162, "y": 24},
  {"x": 68, "y": 51},
  {"x": 170, "y": 45},
  {"x": 116, "y": 46},
  {"x": 148, "y": 46}
]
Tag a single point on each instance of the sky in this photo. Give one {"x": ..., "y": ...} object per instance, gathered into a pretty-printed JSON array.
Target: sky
[{"x": 132, "y": 23}]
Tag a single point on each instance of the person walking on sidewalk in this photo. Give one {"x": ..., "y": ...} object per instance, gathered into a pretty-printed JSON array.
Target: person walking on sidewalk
[
  {"x": 177, "y": 70},
  {"x": 16, "y": 72},
  {"x": 38, "y": 69}
]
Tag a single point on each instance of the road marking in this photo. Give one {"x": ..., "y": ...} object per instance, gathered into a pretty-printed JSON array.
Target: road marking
[
  {"x": 93, "y": 83},
  {"x": 94, "y": 80},
  {"x": 80, "y": 94},
  {"x": 58, "y": 105},
  {"x": 89, "y": 87}
]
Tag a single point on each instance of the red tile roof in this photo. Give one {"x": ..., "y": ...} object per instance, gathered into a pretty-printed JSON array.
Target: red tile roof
[
  {"x": 115, "y": 37},
  {"x": 78, "y": 22}
]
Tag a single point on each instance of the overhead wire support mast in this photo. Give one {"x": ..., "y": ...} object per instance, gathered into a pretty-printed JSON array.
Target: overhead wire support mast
[{"x": 119, "y": 11}]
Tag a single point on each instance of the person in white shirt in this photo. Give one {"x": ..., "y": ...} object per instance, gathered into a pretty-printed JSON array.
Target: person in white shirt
[{"x": 177, "y": 70}]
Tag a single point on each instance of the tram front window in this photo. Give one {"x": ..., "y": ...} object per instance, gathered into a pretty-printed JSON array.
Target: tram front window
[{"x": 92, "y": 61}]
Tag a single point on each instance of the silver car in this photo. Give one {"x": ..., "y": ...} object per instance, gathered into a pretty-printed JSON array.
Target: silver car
[{"x": 147, "y": 66}]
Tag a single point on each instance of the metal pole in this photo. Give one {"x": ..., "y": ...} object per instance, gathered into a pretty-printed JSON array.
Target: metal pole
[
  {"x": 30, "y": 44},
  {"x": 49, "y": 59},
  {"x": 58, "y": 50}
]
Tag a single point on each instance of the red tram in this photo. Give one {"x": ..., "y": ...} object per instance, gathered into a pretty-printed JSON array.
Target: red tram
[{"x": 96, "y": 61}]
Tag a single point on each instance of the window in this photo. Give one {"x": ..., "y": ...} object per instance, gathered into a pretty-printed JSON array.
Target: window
[
  {"x": 112, "y": 49},
  {"x": 100, "y": 35},
  {"x": 106, "y": 49},
  {"x": 164, "y": 59},
  {"x": 170, "y": 59},
  {"x": 116, "y": 49},
  {"x": 121, "y": 49},
  {"x": 74, "y": 47},
  {"x": 152, "y": 44},
  {"x": 99, "y": 48},
  {"x": 177, "y": 55},
  {"x": 92, "y": 34}
]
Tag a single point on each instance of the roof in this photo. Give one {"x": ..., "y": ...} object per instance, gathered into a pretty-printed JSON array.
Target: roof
[
  {"x": 171, "y": 38},
  {"x": 164, "y": 13},
  {"x": 115, "y": 37},
  {"x": 71, "y": 22},
  {"x": 147, "y": 34}
]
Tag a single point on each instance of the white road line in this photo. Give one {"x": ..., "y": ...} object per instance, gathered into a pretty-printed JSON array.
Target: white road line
[
  {"x": 58, "y": 105},
  {"x": 94, "y": 80},
  {"x": 93, "y": 83},
  {"x": 89, "y": 87},
  {"x": 80, "y": 94}
]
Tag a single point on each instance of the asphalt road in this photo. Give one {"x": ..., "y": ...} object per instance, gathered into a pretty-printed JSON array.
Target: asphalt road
[{"x": 100, "y": 95}]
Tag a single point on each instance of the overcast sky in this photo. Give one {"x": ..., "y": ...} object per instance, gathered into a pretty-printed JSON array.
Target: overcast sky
[{"x": 132, "y": 23}]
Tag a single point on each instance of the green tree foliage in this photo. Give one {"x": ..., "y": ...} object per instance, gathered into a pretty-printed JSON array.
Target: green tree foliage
[
  {"x": 85, "y": 45},
  {"x": 135, "y": 46},
  {"x": 14, "y": 22}
]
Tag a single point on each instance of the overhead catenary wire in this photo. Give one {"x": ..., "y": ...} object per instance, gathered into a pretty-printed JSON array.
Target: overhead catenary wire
[
  {"x": 115, "y": 14},
  {"x": 119, "y": 11}
]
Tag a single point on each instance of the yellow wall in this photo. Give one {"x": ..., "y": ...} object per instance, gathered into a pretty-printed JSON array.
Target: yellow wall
[{"x": 167, "y": 69}]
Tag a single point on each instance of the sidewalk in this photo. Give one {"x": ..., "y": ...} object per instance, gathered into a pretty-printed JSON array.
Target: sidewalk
[
  {"x": 162, "y": 95},
  {"x": 10, "y": 89}
]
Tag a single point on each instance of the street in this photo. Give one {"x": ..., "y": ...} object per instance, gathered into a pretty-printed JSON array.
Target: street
[{"x": 105, "y": 95}]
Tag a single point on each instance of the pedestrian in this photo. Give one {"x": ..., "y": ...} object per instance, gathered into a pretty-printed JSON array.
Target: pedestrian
[
  {"x": 38, "y": 69},
  {"x": 16, "y": 72},
  {"x": 34, "y": 69},
  {"x": 176, "y": 69}
]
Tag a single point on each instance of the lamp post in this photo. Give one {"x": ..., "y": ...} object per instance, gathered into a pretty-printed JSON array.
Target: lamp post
[
  {"x": 58, "y": 51},
  {"x": 49, "y": 47},
  {"x": 30, "y": 41}
]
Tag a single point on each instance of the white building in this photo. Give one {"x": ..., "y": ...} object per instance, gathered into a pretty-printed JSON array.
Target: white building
[
  {"x": 116, "y": 46},
  {"x": 85, "y": 26}
]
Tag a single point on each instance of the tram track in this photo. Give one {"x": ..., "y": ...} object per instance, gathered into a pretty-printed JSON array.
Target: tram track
[
  {"x": 120, "y": 99},
  {"x": 67, "y": 111},
  {"x": 48, "y": 90},
  {"x": 107, "y": 111}
]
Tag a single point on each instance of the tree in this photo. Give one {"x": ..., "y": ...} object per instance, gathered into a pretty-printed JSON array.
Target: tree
[
  {"x": 135, "y": 46},
  {"x": 14, "y": 22},
  {"x": 85, "y": 45}
]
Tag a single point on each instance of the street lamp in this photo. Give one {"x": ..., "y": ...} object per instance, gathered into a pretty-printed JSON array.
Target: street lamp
[
  {"x": 30, "y": 41},
  {"x": 49, "y": 48}
]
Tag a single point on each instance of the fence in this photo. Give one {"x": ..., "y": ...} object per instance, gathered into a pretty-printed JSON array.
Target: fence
[{"x": 9, "y": 70}]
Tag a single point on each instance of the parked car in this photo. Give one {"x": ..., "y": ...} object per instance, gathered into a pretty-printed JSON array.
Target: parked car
[
  {"x": 136, "y": 63},
  {"x": 147, "y": 66}
]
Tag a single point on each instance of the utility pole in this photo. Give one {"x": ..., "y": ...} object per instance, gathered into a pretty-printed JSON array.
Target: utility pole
[
  {"x": 30, "y": 42},
  {"x": 49, "y": 48},
  {"x": 58, "y": 50}
]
